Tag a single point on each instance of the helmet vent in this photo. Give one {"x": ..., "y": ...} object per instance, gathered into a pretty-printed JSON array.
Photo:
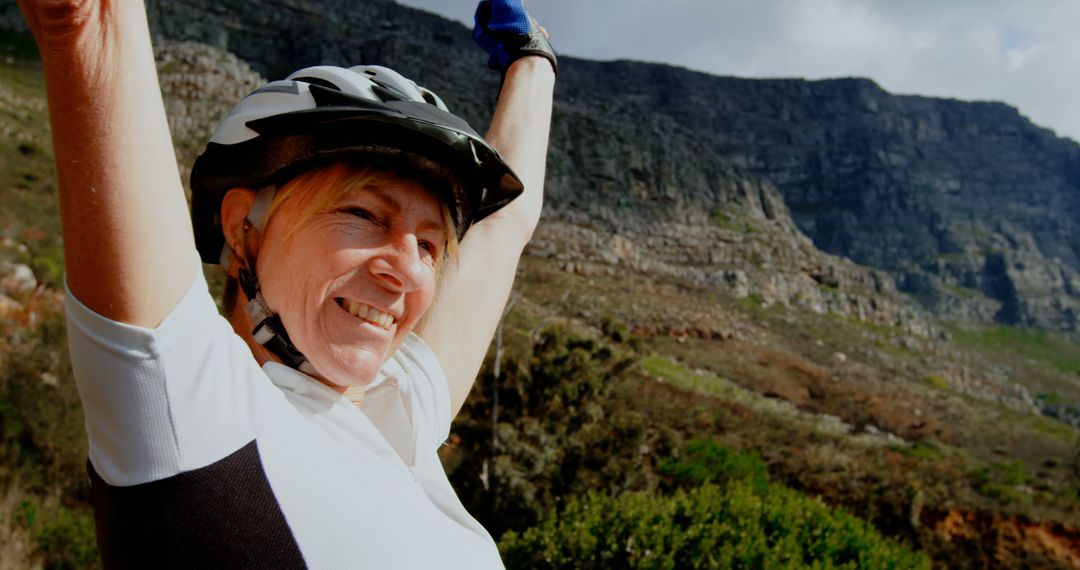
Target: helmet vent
[
  {"x": 318, "y": 81},
  {"x": 388, "y": 93}
]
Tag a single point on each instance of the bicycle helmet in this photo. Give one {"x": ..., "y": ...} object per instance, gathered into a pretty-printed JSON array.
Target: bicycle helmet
[{"x": 324, "y": 114}]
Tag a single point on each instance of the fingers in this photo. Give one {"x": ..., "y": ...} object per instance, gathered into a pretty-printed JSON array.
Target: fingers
[
  {"x": 56, "y": 24},
  {"x": 507, "y": 32}
]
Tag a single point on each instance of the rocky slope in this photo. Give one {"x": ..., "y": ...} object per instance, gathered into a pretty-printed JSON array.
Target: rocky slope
[{"x": 969, "y": 205}]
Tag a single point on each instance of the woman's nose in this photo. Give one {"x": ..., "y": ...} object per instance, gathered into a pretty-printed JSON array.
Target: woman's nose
[{"x": 401, "y": 266}]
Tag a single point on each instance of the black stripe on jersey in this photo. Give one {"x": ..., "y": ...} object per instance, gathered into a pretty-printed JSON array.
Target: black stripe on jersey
[{"x": 223, "y": 515}]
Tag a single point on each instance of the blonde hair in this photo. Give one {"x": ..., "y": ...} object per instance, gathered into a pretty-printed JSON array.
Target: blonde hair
[{"x": 319, "y": 187}]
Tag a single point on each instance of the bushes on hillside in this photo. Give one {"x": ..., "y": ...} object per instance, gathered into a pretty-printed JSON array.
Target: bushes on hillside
[
  {"x": 546, "y": 430},
  {"x": 706, "y": 461},
  {"x": 63, "y": 536},
  {"x": 42, "y": 444},
  {"x": 551, "y": 460},
  {"x": 41, "y": 423},
  {"x": 735, "y": 526}
]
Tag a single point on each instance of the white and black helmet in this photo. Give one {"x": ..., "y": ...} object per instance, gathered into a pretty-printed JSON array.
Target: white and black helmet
[{"x": 324, "y": 114}]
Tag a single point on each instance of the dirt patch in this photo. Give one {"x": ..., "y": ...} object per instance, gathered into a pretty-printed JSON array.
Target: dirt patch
[{"x": 1010, "y": 541}]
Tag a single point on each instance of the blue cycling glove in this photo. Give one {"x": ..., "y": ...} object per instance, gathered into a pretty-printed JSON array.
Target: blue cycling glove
[{"x": 506, "y": 31}]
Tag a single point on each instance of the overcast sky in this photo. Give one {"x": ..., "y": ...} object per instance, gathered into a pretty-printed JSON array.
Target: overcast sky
[{"x": 1024, "y": 53}]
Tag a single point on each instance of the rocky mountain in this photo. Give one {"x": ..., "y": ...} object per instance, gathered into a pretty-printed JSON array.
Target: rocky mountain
[{"x": 968, "y": 206}]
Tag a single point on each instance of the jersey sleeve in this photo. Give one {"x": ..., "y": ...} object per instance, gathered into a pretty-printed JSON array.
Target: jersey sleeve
[{"x": 164, "y": 400}]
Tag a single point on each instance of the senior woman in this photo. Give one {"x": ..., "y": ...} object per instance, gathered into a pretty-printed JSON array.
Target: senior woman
[{"x": 371, "y": 239}]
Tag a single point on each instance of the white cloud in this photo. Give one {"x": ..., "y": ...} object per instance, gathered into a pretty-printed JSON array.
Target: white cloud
[
  {"x": 1019, "y": 55},
  {"x": 1024, "y": 53}
]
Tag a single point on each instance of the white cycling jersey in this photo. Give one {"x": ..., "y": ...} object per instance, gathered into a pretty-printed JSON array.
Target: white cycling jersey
[{"x": 199, "y": 458}]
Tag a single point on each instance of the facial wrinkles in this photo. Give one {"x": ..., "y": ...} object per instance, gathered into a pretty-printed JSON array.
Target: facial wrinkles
[{"x": 333, "y": 263}]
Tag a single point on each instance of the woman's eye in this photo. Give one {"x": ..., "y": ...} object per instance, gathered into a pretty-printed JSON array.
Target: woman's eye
[{"x": 364, "y": 214}]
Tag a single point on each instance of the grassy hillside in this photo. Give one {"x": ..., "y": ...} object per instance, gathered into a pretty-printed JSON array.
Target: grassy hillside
[
  {"x": 923, "y": 437},
  {"x": 807, "y": 436}
]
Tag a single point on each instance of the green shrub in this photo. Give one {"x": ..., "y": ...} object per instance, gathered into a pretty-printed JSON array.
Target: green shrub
[
  {"x": 546, "y": 429},
  {"x": 614, "y": 329},
  {"x": 46, "y": 258},
  {"x": 1000, "y": 481},
  {"x": 927, "y": 450},
  {"x": 67, "y": 539},
  {"x": 736, "y": 526},
  {"x": 1012, "y": 472},
  {"x": 938, "y": 382},
  {"x": 706, "y": 461},
  {"x": 63, "y": 537},
  {"x": 619, "y": 333}
]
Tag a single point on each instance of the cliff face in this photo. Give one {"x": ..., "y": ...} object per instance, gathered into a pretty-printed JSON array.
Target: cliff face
[{"x": 967, "y": 205}]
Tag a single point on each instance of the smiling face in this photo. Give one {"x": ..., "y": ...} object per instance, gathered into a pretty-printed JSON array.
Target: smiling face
[{"x": 351, "y": 273}]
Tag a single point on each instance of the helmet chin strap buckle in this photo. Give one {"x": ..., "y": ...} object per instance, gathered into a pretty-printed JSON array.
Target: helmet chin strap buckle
[{"x": 269, "y": 330}]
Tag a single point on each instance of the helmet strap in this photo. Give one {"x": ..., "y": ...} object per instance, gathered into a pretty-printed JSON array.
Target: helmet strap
[{"x": 269, "y": 331}]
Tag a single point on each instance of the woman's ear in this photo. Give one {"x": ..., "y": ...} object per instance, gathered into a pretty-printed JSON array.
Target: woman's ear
[{"x": 234, "y": 210}]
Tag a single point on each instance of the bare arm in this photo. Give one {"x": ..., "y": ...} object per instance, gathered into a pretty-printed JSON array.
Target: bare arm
[
  {"x": 128, "y": 245},
  {"x": 473, "y": 291}
]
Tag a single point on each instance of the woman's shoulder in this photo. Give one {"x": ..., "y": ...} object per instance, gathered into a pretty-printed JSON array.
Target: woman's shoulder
[
  {"x": 167, "y": 399},
  {"x": 194, "y": 311}
]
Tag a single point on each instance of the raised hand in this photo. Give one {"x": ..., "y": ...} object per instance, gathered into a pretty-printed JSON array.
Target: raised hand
[
  {"x": 56, "y": 24},
  {"x": 128, "y": 248},
  {"x": 507, "y": 32}
]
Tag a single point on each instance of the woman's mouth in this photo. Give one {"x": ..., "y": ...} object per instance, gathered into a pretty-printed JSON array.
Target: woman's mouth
[{"x": 367, "y": 313}]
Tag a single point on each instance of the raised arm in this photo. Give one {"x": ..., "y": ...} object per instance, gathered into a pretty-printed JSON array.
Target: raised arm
[
  {"x": 473, "y": 291},
  {"x": 128, "y": 246}
]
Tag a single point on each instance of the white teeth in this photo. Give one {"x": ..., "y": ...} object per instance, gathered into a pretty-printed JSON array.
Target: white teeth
[{"x": 369, "y": 314}]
